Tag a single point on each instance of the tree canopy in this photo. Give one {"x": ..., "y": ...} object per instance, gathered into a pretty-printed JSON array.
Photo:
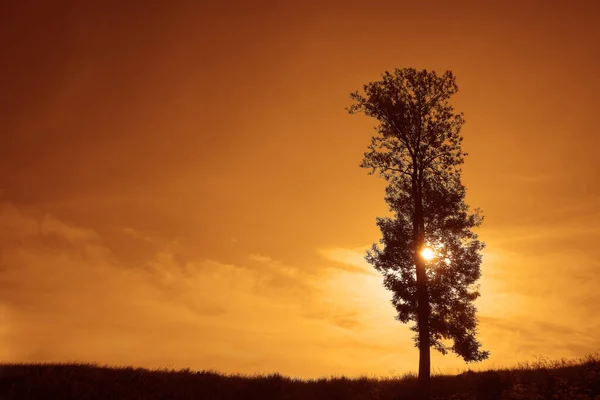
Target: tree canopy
[{"x": 418, "y": 151}]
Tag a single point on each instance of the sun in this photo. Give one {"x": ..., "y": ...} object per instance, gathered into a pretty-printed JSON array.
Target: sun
[{"x": 427, "y": 254}]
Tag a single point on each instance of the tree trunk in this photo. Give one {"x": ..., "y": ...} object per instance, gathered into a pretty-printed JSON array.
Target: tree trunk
[
  {"x": 422, "y": 298},
  {"x": 424, "y": 344}
]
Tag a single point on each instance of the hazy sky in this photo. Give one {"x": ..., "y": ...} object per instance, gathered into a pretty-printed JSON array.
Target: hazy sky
[{"x": 179, "y": 181}]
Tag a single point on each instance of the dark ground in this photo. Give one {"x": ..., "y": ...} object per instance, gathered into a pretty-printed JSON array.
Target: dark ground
[{"x": 542, "y": 380}]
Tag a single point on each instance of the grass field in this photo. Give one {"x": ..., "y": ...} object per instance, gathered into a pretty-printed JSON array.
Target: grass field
[{"x": 565, "y": 379}]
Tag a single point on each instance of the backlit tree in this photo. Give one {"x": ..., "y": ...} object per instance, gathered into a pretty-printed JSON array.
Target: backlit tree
[{"x": 428, "y": 254}]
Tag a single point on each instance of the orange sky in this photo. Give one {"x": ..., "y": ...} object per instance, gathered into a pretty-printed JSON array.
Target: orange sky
[{"x": 179, "y": 184}]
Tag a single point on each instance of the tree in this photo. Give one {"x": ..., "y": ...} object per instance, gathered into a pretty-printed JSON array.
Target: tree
[{"x": 417, "y": 150}]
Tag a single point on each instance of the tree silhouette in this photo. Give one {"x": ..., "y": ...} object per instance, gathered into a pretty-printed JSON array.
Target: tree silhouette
[{"x": 417, "y": 150}]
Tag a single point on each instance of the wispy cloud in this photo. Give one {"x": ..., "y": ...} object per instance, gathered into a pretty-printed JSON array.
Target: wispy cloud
[
  {"x": 65, "y": 295},
  {"x": 349, "y": 259},
  {"x": 80, "y": 302}
]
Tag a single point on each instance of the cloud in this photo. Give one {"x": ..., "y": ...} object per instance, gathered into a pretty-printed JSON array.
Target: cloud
[
  {"x": 75, "y": 300},
  {"x": 349, "y": 259},
  {"x": 16, "y": 225},
  {"x": 134, "y": 233},
  {"x": 260, "y": 258},
  {"x": 525, "y": 338},
  {"x": 65, "y": 295},
  {"x": 535, "y": 300}
]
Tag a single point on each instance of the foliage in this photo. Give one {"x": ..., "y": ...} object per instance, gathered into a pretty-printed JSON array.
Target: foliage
[{"x": 418, "y": 152}]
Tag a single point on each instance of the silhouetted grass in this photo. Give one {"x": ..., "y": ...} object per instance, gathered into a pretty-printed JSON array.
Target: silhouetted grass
[{"x": 564, "y": 379}]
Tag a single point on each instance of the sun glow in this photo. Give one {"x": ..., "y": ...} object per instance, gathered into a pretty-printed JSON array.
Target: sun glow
[{"x": 427, "y": 254}]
